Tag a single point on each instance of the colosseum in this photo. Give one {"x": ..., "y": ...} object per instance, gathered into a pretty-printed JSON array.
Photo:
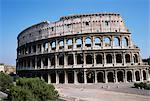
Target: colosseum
[{"x": 82, "y": 48}]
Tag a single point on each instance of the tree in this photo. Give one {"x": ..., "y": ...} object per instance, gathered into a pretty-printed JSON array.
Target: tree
[
  {"x": 5, "y": 82},
  {"x": 32, "y": 89}
]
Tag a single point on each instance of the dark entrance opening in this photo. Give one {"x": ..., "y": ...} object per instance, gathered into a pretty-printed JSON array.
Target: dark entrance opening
[
  {"x": 61, "y": 77},
  {"x": 90, "y": 77},
  {"x": 70, "y": 77},
  {"x": 45, "y": 77},
  {"x": 137, "y": 76},
  {"x": 110, "y": 77},
  {"x": 53, "y": 78},
  {"x": 129, "y": 76},
  {"x": 120, "y": 76},
  {"x": 100, "y": 77},
  {"x": 144, "y": 75},
  {"x": 80, "y": 77}
]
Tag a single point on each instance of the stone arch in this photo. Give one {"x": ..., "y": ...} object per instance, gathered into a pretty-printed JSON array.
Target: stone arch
[
  {"x": 118, "y": 58},
  {"x": 90, "y": 76},
  {"x": 100, "y": 77},
  {"x": 70, "y": 43},
  {"x": 135, "y": 57},
  {"x": 120, "y": 76},
  {"x": 79, "y": 59},
  {"x": 97, "y": 42},
  {"x": 79, "y": 42},
  {"x": 70, "y": 59},
  {"x": 80, "y": 76},
  {"x": 116, "y": 41},
  {"x": 137, "y": 76},
  {"x": 127, "y": 58},
  {"x": 109, "y": 58},
  {"x": 107, "y": 42},
  {"x": 144, "y": 75},
  {"x": 110, "y": 76},
  {"x": 99, "y": 59},
  {"x": 125, "y": 41},
  {"x": 61, "y": 44},
  {"x": 129, "y": 76},
  {"x": 88, "y": 42},
  {"x": 89, "y": 59},
  {"x": 53, "y": 45}
]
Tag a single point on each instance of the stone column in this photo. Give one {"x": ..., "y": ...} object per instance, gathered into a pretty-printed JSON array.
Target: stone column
[
  {"x": 106, "y": 79},
  {"x": 116, "y": 79},
  {"x": 35, "y": 62},
  {"x": 92, "y": 45},
  {"x": 84, "y": 58},
  {"x": 49, "y": 78},
  {"x": 66, "y": 77},
  {"x": 65, "y": 45},
  {"x": 85, "y": 78},
  {"x": 102, "y": 42},
  {"x": 74, "y": 43},
  {"x": 42, "y": 48},
  {"x": 57, "y": 78},
  {"x": 125, "y": 76},
  {"x": 56, "y": 61},
  {"x": 124, "y": 60},
  {"x": 83, "y": 44},
  {"x": 94, "y": 58},
  {"x": 95, "y": 77},
  {"x": 114, "y": 58},
  {"x": 147, "y": 74},
  {"x": 112, "y": 42},
  {"x": 57, "y": 45},
  {"x": 134, "y": 78},
  {"x": 49, "y": 62},
  {"x": 104, "y": 59},
  {"x": 31, "y": 64},
  {"x": 75, "y": 77},
  {"x": 65, "y": 60},
  {"x": 141, "y": 76},
  {"x": 49, "y": 47},
  {"x": 41, "y": 63},
  {"x": 74, "y": 59}
]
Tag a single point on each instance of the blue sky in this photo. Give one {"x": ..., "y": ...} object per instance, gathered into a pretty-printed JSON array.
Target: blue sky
[{"x": 16, "y": 15}]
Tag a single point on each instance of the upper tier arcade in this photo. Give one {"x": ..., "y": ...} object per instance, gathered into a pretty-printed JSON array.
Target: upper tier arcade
[{"x": 74, "y": 24}]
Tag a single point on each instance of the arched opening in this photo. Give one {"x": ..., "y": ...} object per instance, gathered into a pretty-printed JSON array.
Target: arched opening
[
  {"x": 79, "y": 43},
  {"x": 99, "y": 59},
  {"x": 80, "y": 76},
  {"x": 52, "y": 60},
  {"x": 61, "y": 77},
  {"x": 120, "y": 76},
  {"x": 116, "y": 41},
  {"x": 88, "y": 59},
  {"x": 45, "y": 61},
  {"x": 109, "y": 58},
  {"x": 90, "y": 77},
  {"x": 127, "y": 57},
  {"x": 79, "y": 59},
  {"x": 61, "y": 59},
  {"x": 118, "y": 58},
  {"x": 45, "y": 46},
  {"x": 97, "y": 42},
  {"x": 70, "y": 59},
  {"x": 70, "y": 44},
  {"x": 125, "y": 41},
  {"x": 110, "y": 77},
  {"x": 45, "y": 77},
  {"x": 129, "y": 76},
  {"x": 100, "y": 77},
  {"x": 70, "y": 77},
  {"x": 53, "y": 77},
  {"x": 137, "y": 76},
  {"x": 107, "y": 42},
  {"x": 144, "y": 75},
  {"x": 135, "y": 57},
  {"x": 53, "y": 45},
  {"x": 61, "y": 44},
  {"x": 88, "y": 42}
]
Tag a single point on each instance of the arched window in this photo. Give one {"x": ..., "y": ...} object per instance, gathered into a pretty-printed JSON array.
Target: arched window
[
  {"x": 88, "y": 42},
  {"x": 125, "y": 41},
  {"x": 61, "y": 44},
  {"x": 135, "y": 57},
  {"x": 118, "y": 58},
  {"x": 99, "y": 59},
  {"x": 53, "y": 45},
  {"x": 110, "y": 77},
  {"x": 144, "y": 75},
  {"x": 109, "y": 58},
  {"x": 120, "y": 76},
  {"x": 45, "y": 46},
  {"x": 69, "y": 42},
  {"x": 107, "y": 42},
  {"x": 129, "y": 76},
  {"x": 97, "y": 42},
  {"x": 116, "y": 41},
  {"x": 79, "y": 59},
  {"x": 137, "y": 76},
  {"x": 70, "y": 59},
  {"x": 79, "y": 43},
  {"x": 88, "y": 59},
  {"x": 127, "y": 57},
  {"x": 61, "y": 59}
]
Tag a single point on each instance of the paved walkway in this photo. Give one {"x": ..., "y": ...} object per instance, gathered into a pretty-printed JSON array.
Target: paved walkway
[{"x": 96, "y": 93}]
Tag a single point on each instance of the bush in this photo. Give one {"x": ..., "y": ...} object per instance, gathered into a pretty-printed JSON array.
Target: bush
[
  {"x": 5, "y": 82},
  {"x": 142, "y": 85},
  {"x": 32, "y": 89}
]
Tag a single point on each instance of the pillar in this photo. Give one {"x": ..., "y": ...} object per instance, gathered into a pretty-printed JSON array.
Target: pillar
[
  {"x": 124, "y": 60},
  {"x": 56, "y": 61},
  {"x": 42, "y": 48},
  {"x": 85, "y": 78},
  {"x": 141, "y": 76},
  {"x": 74, "y": 43},
  {"x": 74, "y": 59},
  {"x": 94, "y": 58},
  {"x": 95, "y": 77},
  {"x": 41, "y": 63},
  {"x": 106, "y": 79},
  {"x": 104, "y": 59},
  {"x": 49, "y": 78},
  {"x": 125, "y": 76},
  {"x": 65, "y": 60},
  {"x": 66, "y": 77},
  {"x": 116, "y": 79},
  {"x": 84, "y": 58},
  {"x": 31, "y": 64},
  {"x": 134, "y": 78},
  {"x": 65, "y": 45},
  {"x": 57, "y": 78},
  {"x": 49, "y": 62},
  {"x": 114, "y": 58},
  {"x": 35, "y": 62},
  {"x": 83, "y": 44},
  {"x": 75, "y": 77},
  {"x": 49, "y": 47}
]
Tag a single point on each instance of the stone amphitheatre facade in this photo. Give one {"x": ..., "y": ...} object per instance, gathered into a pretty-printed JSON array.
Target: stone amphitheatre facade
[{"x": 86, "y": 48}]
